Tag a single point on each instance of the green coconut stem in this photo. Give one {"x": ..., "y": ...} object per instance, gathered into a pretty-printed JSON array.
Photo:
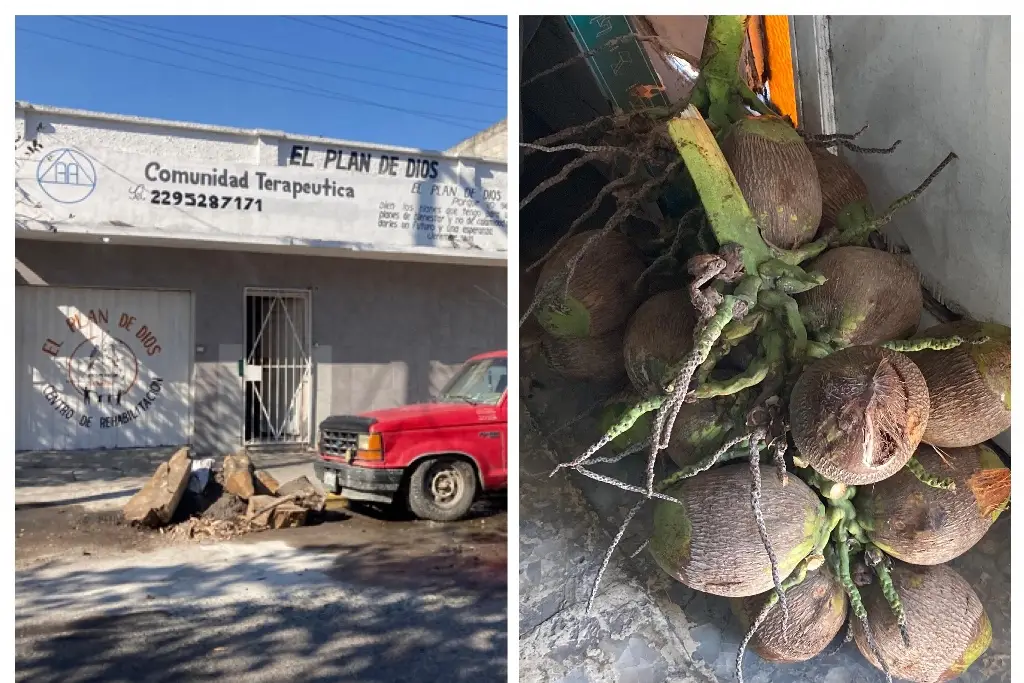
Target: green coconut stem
[
  {"x": 726, "y": 209},
  {"x": 755, "y": 504},
  {"x": 776, "y": 268},
  {"x": 731, "y": 335},
  {"x": 934, "y": 481},
  {"x": 740, "y": 329},
  {"x": 842, "y": 550},
  {"x": 833, "y": 518},
  {"x": 789, "y": 311},
  {"x": 877, "y": 562},
  {"x": 832, "y": 490},
  {"x": 924, "y": 344},
  {"x": 719, "y": 80},
  {"x": 751, "y": 99},
  {"x": 708, "y": 366},
  {"x": 858, "y": 233},
  {"x": 802, "y": 253},
  {"x": 704, "y": 464},
  {"x": 818, "y": 350},
  {"x": 624, "y": 424},
  {"x": 752, "y": 376}
]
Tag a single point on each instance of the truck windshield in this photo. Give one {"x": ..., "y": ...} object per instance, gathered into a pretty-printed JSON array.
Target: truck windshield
[{"x": 481, "y": 381}]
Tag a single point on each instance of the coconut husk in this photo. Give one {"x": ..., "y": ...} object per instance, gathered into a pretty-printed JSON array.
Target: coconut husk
[
  {"x": 601, "y": 293},
  {"x": 702, "y": 427},
  {"x": 597, "y": 359},
  {"x": 840, "y": 187},
  {"x": 817, "y": 611},
  {"x": 969, "y": 385},
  {"x": 775, "y": 171},
  {"x": 857, "y": 415},
  {"x": 946, "y": 622},
  {"x": 658, "y": 336},
  {"x": 870, "y": 296},
  {"x": 711, "y": 542},
  {"x": 922, "y": 524}
]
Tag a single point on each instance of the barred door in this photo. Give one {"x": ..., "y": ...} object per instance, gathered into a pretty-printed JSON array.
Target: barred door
[{"x": 278, "y": 367}]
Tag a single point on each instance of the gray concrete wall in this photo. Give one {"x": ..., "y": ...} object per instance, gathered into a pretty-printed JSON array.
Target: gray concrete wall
[
  {"x": 939, "y": 84},
  {"x": 385, "y": 333}
]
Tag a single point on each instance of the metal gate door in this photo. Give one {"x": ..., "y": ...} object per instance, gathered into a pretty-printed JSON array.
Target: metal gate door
[{"x": 278, "y": 367}]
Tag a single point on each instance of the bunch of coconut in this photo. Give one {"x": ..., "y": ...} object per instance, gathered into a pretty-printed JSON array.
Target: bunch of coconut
[{"x": 890, "y": 476}]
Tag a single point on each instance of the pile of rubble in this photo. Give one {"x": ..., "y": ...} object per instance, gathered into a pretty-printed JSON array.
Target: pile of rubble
[{"x": 189, "y": 498}]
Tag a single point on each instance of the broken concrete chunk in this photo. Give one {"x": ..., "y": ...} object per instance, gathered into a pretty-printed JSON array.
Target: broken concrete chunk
[
  {"x": 238, "y": 475},
  {"x": 287, "y": 516},
  {"x": 155, "y": 503},
  {"x": 305, "y": 493},
  {"x": 265, "y": 483},
  {"x": 259, "y": 510}
]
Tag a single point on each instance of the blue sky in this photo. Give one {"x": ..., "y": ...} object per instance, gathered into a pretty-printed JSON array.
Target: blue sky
[{"x": 437, "y": 80}]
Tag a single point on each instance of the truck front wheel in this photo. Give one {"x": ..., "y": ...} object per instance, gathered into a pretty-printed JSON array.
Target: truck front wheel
[{"x": 442, "y": 489}]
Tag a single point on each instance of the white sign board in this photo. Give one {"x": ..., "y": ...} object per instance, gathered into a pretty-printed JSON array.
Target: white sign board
[{"x": 365, "y": 200}]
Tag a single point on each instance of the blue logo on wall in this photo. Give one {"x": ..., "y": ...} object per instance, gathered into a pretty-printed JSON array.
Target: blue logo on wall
[{"x": 66, "y": 176}]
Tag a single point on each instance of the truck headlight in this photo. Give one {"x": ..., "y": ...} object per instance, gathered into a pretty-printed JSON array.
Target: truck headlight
[{"x": 369, "y": 447}]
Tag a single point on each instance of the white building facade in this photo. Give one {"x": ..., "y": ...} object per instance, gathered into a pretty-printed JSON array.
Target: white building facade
[{"x": 189, "y": 284}]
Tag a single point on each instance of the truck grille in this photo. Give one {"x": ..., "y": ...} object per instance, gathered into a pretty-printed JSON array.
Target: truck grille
[{"x": 338, "y": 443}]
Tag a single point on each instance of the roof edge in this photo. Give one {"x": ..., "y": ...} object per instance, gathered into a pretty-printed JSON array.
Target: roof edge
[{"x": 241, "y": 132}]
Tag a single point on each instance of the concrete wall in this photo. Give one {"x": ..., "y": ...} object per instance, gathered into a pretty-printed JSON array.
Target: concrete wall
[
  {"x": 939, "y": 84},
  {"x": 489, "y": 144},
  {"x": 384, "y": 333}
]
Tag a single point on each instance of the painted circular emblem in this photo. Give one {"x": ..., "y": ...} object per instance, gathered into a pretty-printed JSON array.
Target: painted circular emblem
[
  {"x": 66, "y": 175},
  {"x": 103, "y": 369}
]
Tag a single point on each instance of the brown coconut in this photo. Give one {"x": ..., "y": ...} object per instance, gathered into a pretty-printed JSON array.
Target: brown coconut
[
  {"x": 596, "y": 359},
  {"x": 702, "y": 427},
  {"x": 922, "y": 524},
  {"x": 857, "y": 415},
  {"x": 817, "y": 611},
  {"x": 658, "y": 335},
  {"x": 711, "y": 542},
  {"x": 946, "y": 622},
  {"x": 842, "y": 190},
  {"x": 969, "y": 385},
  {"x": 601, "y": 293},
  {"x": 870, "y": 296},
  {"x": 776, "y": 174}
]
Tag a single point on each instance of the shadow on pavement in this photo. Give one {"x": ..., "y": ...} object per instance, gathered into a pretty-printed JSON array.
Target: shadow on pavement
[{"x": 383, "y": 617}]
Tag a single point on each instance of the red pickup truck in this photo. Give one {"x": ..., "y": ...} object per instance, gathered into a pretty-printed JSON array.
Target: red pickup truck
[{"x": 436, "y": 457}]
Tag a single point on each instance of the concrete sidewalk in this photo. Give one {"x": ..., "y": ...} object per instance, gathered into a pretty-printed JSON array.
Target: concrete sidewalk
[{"x": 106, "y": 479}]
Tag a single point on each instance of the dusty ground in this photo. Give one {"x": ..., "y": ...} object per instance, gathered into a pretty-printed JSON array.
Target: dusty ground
[
  {"x": 363, "y": 596},
  {"x": 70, "y": 531}
]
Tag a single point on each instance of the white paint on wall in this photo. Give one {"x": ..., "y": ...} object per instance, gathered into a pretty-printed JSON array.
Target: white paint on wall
[{"x": 95, "y": 176}]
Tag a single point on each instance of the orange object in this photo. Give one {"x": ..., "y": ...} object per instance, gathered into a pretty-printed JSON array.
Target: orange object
[
  {"x": 646, "y": 91},
  {"x": 755, "y": 40},
  {"x": 781, "y": 75}
]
